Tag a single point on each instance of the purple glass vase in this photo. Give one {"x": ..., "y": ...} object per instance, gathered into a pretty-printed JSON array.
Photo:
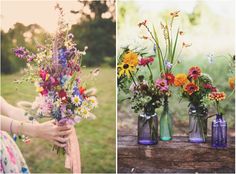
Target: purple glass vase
[
  {"x": 197, "y": 123},
  {"x": 147, "y": 129},
  {"x": 219, "y": 132}
]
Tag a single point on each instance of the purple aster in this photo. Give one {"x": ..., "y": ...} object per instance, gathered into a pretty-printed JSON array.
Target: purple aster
[{"x": 21, "y": 52}]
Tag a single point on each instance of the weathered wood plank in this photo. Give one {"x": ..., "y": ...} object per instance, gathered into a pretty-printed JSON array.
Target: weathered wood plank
[{"x": 174, "y": 156}]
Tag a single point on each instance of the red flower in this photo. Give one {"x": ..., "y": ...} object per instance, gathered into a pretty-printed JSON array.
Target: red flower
[
  {"x": 82, "y": 91},
  {"x": 214, "y": 89},
  {"x": 190, "y": 88},
  {"x": 170, "y": 78},
  {"x": 209, "y": 86},
  {"x": 194, "y": 72},
  {"x": 145, "y": 61},
  {"x": 44, "y": 92},
  {"x": 62, "y": 94},
  {"x": 44, "y": 75}
]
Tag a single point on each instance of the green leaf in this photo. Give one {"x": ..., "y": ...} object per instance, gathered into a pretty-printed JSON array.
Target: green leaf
[{"x": 161, "y": 61}]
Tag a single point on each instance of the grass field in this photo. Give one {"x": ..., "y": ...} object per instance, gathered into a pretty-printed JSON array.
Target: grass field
[
  {"x": 97, "y": 138},
  {"x": 218, "y": 70}
]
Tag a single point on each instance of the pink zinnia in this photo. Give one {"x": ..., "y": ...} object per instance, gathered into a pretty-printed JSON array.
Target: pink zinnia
[
  {"x": 194, "y": 72},
  {"x": 162, "y": 85},
  {"x": 145, "y": 61}
]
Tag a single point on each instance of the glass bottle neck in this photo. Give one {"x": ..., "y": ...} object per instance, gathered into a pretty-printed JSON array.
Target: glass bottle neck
[
  {"x": 219, "y": 117},
  {"x": 166, "y": 103}
]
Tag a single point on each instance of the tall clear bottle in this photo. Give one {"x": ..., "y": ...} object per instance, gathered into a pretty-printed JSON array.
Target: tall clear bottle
[{"x": 166, "y": 122}]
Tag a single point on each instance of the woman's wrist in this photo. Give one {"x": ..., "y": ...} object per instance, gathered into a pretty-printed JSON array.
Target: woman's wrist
[{"x": 31, "y": 129}]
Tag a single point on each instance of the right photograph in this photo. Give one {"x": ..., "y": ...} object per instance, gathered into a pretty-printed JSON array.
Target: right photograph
[{"x": 176, "y": 86}]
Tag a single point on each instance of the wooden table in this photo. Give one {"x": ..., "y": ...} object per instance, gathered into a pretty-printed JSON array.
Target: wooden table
[{"x": 176, "y": 156}]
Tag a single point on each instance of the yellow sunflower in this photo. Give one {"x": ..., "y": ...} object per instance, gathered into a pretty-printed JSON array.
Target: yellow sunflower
[
  {"x": 125, "y": 69},
  {"x": 131, "y": 58}
]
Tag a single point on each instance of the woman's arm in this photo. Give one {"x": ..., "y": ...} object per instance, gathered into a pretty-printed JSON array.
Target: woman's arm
[
  {"x": 48, "y": 130},
  {"x": 12, "y": 111}
]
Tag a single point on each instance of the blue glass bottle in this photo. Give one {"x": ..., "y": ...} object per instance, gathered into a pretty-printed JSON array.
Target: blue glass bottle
[{"x": 219, "y": 132}]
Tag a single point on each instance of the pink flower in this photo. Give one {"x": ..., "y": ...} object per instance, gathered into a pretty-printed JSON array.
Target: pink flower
[
  {"x": 145, "y": 61},
  {"x": 44, "y": 92},
  {"x": 12, "y": 157},
  {"x": 162, "y": 85},
  {"x": 43, "y": 74},
  {"x": 194, "y": 72}
]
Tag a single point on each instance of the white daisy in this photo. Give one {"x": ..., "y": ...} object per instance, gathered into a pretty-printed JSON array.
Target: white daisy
[{"x": 76, "y": 100}]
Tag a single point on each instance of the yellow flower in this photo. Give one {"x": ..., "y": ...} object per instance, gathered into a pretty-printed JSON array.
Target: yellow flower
[
  {"x": 130, "y": 58},
  {"x": 47, "y": 76},
  {"x": 39, "y": 88},
  {"x": 180, "y": 80},
  {"x": 232, "y": 82},
  {"x": 125, "y": 69}
]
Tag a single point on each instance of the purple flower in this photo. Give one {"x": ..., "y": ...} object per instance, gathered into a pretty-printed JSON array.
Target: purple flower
[
  {"x": 21, "y": 52},
  {"x": 162, "y": 85},
  {"x": 62, "y": 57},
  {"x": 154, "y": 48},
  {"x": 168, "y": 65}
]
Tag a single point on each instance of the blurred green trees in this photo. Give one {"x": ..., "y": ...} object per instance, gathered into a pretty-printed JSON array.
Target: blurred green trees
[{"x": 96, "y": 29}]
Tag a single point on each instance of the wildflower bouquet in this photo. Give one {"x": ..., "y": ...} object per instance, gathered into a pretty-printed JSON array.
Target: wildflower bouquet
[
  {"x": 56, "y": 71},
  {"x": 195, "y": 86},
  {"x": 142, "y": 92},
  {"x": 141, "y": 89},
  {"x": 167, "y": 57}
]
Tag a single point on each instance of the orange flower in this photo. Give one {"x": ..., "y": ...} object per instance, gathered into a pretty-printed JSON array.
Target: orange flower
[
  {"x": 232, "y": 82},
  {"x": 218, "y": 96},
  {"x": 131, "y": 58},
  {"x": 142, "y": 23},
  {"x": 190, "y": 88},
  {"x": 175, "y": 14},
  {"x": 180, "y": 80},
  {"x": 185, "y": 45},
  {"x": 144, "y": 37}
]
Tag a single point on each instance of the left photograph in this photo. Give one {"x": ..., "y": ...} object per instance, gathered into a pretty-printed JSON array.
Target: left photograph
[{"x": 58, "y": 87}]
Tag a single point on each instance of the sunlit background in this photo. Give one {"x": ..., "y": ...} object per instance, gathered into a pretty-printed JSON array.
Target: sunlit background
[
  {"x": 29, "y": 24},
  {"x": 209, "y": 26}
]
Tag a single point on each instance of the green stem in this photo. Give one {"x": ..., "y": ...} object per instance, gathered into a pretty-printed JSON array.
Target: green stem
[
  {"x": 151, "y": 75},
  {"x": 133, "y": 78}
]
